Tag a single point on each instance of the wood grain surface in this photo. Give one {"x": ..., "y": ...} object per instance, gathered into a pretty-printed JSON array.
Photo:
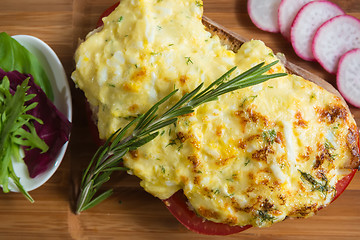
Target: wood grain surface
[{"x": 131, "y": 213}]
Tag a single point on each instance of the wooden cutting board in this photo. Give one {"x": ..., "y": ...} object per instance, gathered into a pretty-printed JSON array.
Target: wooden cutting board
[{"x": 131, "y": 212}]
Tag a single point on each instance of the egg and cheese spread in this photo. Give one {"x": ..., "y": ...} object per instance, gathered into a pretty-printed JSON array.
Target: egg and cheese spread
[{"x": 254, "y": 156}]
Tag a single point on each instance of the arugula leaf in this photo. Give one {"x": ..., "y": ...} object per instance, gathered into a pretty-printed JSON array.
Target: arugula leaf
[
  {"x": 13, "y": 135},
  {"x": 54, "y": 127},
  {"x": 13, "y": 56}
]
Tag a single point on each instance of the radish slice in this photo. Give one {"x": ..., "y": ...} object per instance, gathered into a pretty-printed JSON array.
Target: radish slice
[
  {"x": 334, "y": 38},
  {"x": 287, "y": 12},
  {"x": 263, "y": 14},
  {"x": 348, "y": 79},
  {"x": 307, "y": 21}
]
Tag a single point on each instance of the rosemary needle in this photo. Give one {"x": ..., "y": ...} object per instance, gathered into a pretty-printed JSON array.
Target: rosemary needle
[{"x": 108, "y": 157}]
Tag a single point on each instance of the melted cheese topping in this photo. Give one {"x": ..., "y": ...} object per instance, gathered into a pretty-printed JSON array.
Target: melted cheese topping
[{"x": 254, "y": 156}]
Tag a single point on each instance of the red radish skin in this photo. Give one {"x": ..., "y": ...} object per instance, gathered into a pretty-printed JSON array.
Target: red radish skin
[
  {"x": 334, "y": 38},
  {"x": 309, "y": 18},
  {"x": 348, "y": 78},
  {"x": 286, "y": 14},
  {"x": 264, "y": 14}
]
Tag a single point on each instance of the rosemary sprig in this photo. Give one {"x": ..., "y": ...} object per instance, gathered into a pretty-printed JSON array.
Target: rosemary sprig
[{"x": 108, "y": 157}]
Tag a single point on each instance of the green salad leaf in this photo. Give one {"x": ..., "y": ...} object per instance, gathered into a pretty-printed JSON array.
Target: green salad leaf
[
  {"x": 13, "y": 136},
  {"x": 13, "y": 56}
]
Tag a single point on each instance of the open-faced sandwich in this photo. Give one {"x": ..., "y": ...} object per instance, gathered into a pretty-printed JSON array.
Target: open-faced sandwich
[{"x": 283, "y": 148}]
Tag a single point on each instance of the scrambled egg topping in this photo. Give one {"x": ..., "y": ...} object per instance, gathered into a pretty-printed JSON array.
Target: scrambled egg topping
[{"x": 254, "y": 156}]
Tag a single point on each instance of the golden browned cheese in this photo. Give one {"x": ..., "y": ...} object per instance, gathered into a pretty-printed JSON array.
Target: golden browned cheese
[{"x": 254, "y": 156}]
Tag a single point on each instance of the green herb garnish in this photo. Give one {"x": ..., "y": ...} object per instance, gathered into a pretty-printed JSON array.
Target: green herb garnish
[
  {"x": 328, "y": 146},
  {"x": 312, "y": 96},
  {"x": 250, "y": 98},
  {"x": 269, "y": 136},
  {"x": 162, "y": 169},
  {"x": 13, "y": 116},
  {"x": 265, "y": 216},
  {"x": 188, "y": 60},
  {"x": 146, "y": 127},
  {"x": 322, "y": 187},
  {"x": 171, "y": 143},
  {"x": 215, "y": 191}
]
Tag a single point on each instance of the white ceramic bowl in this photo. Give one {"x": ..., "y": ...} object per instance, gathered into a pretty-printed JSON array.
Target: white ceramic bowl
[{"x": 62, "y": 100}]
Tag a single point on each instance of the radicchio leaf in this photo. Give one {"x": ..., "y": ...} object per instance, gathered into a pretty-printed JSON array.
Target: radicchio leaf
[{"x": 55, "y": 130}]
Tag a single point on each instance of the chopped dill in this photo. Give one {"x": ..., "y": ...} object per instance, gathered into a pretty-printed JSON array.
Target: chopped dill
[
  {"x": 269, "y": 136},
  {"x": 215, "y": 191},
  {"x": 324, "y": 188},
  {"x": 188, "y": 60},
  {"x": 329, "y": 146},
  {"x": 230, "y": 179},
  {"x": 251, "y": 98},
  {"x": 171, "y": 143},
  {"x": 265, "y": 216}
]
